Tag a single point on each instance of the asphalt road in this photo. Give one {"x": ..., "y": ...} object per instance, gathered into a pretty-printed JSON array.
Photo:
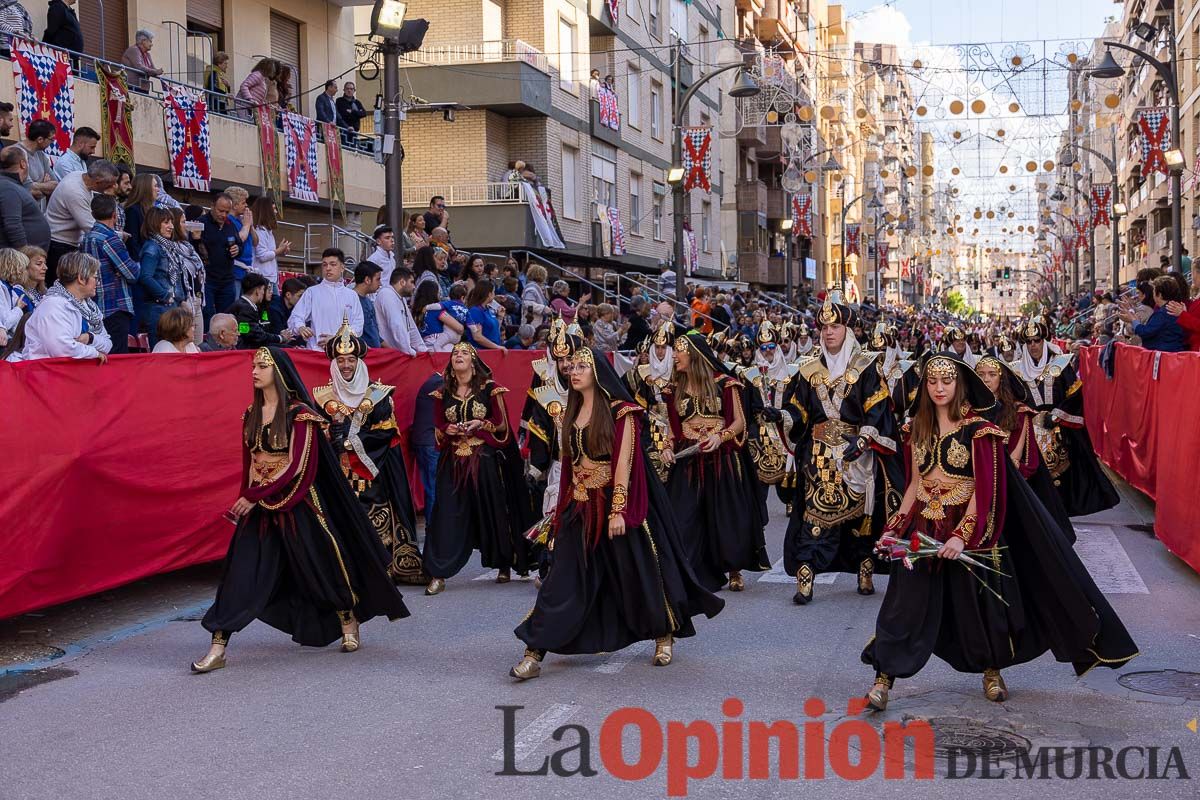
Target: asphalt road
[{"x": 414, "y": 713}]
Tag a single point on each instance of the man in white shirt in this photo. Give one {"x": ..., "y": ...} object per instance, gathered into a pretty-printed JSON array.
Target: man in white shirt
[
  {"x": 384, "y": 255},
  {"x": 397, "y": 328},
  {"x": 324, "y": 307},
  {"x": 67, "y": 323},
  {"x": 75, "y": 159}
]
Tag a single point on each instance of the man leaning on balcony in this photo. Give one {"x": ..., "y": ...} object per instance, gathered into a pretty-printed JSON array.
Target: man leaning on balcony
[{"x": 141, "y": 65}]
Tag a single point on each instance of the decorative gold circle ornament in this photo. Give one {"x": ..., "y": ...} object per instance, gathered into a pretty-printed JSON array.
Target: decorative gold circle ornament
[
  {"x": 955, "y": 170},
  {"x": 828, "y": 112},
  {"x": 910, "y": 171},
  {"x": 861, "y": 113},
  {"x": 917, "y": 63},
  {"x": 922, "y": 111},
  {"x": 883, "y": 173},
  {"x": 772, "y": 116},
  {"x": 1072, "y": 58},
  {"x": 810, "y": 176},
  {"x": 1016, "y": 61},
  {"x": 1000, "y": 133},
  {"x": 927, "y": 170},
  {"x": 1003, "y": 169},
  {"x": 978, "y": 107},
  {"x": 1048, "y": 166},
  {"x": 1014, "y": 107},
  {"x": 1112, "y": 100},
  {"x": 1031, "y": 166},
  {"x": 991, "y": 214},
  {"x": 805, "y": 113},
  {"x": 956, "y": 106},
  {"x": 1076, "y": 105}
]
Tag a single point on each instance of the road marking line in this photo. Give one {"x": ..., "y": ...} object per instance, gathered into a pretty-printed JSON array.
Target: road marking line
[
  {"x": 617, "y": 661},
  {"x": 1101, "y": 552},
  {"x": 492, "y": 574},
  {"x": 535, "y": 733},
  {"x": 777, "y": 575}
]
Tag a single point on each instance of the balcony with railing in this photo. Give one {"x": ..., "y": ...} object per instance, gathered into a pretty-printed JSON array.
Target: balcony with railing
[
  {"x": 486, "y": 214},
  {"x": 508, "y": 76}
]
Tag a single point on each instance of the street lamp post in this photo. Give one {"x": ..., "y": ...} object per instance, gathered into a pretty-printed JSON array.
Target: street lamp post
[
  {"x": 845, "y": 210},
  {"x": 1109, "y": 68},
  {"x": 744, "y": 86}
]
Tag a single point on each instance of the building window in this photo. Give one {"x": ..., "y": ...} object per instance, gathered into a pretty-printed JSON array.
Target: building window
[
  {"x": 570, "y": 171},
  {"x": 679, "y": 20},
  {"x": 635, "y": 203},
  {"x": 653, "y": 12},
  {"x": 660, "y": 192},
  {"x": 604, "y": 174},
  {"x": 633, "y": 97},
  {"x": 705, "y": 217},
  {"x": 566, "y": 54},
  {"x": 656, "y": 91}
]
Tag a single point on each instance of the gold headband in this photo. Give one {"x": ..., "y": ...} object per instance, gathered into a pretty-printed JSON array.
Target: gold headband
[
  {"x": 941, "y": 368},
  {"x": 682, "y": 345},
  {"x": 263, "y": 358},
  {"x": 990, "y": 361},
  {"x": 463, "y": 347}
]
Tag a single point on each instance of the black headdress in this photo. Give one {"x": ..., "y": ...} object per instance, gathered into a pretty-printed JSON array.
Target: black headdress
[
  {"x": 978, "y": 395},
  {"x": 1034, "y": 329},
  {"x": 345, "y": 343},
  {"x": 281, "y": 362},
  {"x": 835, "y": 312},
  {"x": 605, "y": 376},
  {"x": 697, "y": 344},
  {"x": 1017, "y": 386}
]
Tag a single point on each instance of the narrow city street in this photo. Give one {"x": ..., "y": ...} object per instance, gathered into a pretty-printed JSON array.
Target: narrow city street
[{"x": 414, "y": 713}]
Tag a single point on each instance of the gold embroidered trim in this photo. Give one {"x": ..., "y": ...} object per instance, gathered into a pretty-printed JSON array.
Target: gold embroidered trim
[
  {"x": 295, "y": 484},
  {"x": 337, "y": 551},
  {"x": 936, "y": 497}
]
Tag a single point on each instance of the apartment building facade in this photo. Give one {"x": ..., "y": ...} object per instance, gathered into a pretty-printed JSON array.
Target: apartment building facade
[{"x": 524, "y": 75}]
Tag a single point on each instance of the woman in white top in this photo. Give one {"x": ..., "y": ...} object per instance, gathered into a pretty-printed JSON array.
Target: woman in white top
[
  {"x": 175, "y": 332},
  {"x": 14, "y": 265},
  {"x": 266, "y": 250}
]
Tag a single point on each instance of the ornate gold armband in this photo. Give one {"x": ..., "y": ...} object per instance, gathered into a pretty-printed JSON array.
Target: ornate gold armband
[
  {"x": 966, "y": 527},
  {"x": 619, "y": 500},
  {"x": 727, "y": 435}
]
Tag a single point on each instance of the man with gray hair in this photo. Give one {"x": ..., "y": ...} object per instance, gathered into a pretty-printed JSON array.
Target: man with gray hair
[
  {"x": 21, "y": 219},
  {"x": 67, "y": 322},
  {"x": 222, "y": 334},
  {"x": 70, "y": 210},
  {"x": 138, "y": 59}
]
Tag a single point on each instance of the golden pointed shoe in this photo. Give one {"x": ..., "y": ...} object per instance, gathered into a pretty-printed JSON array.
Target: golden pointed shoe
[
  {"x": 210, "y": 663},
  {"x": 350, "y": 642},
  {"x": 736, "y": 582},
  {"x": 866, "y": 580},
  {"x": 994, "y": 688},
  {"x": 436, "y": 586},
  {"x": 527, "y": 668},
  {"x": 663, "y": 651},
  {"x": 877, "y": 697},
  {"x": 804, "y": 586}
]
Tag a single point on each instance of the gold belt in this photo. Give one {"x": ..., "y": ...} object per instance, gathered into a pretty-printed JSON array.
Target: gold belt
[
  {"x": 266, "y": 470},
  {"x": 937, "y": 496},
  {"x": 465, "y": 445},
  {"x": 589, "y": 475},
  {"x": 831, "y": 432},
  {"x": 699, "y": 428}
]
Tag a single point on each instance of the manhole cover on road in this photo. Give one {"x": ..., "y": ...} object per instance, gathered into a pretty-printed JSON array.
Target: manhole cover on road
[
  {"x": 1164, "y": 682},
  {"x": 24, "y": 652},
  {"x": 956, "y": 735}
]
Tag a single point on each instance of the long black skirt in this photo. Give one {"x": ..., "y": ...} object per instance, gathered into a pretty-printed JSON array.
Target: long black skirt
[
  {"x": 473, "y": 509},
  {"x": 626, "y": 589},
  {"x": 295, "y": 570},
  {"x": 718, "y": 508},
  {"x": 1043, "y": 486},
  {"x": 1084, "y": 487},
  {"x": 1050, "y": 603},
  {"x": 389, "y": 505}
]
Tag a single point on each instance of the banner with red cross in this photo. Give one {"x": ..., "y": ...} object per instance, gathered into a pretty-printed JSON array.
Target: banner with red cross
[
  {"x": 697, "y": 158},
  {"x": 187, "y": 137},
  {"x": 1154, "y": 124},
  {"x": 45, "y": 88},
  {"x": 610, "y": 110},
  {"x": 1101, "y": 203},
  {"x": 614, "y": 11},
  {"x": 853, "y": 234},
  {"x": 1082, "y": 229},
  {"x": 300, "y": 133},
  {"x": 883, "y": 253},
  {"x": 904, "y": 271},
  {"x": 802, "y": 215}
]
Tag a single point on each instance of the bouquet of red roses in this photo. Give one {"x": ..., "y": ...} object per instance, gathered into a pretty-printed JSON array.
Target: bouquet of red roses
[{"x": 917, "y": 546}]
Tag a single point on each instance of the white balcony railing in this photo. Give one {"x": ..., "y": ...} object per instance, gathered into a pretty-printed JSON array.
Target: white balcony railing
[
  {"x": 463, "y": 194},
  {"x": 481, "y": 53}
]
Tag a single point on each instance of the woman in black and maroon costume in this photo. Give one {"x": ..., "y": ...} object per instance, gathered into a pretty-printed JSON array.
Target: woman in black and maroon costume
[
  {"x": 715, "y": 492},
  {"x": 482, "y": 501},
  {"x": 964, "y": 492},
  {"x": 1014, "y": 416},
  {"x": 304, "y": 558},
  {"x": 619, "y": 574}
]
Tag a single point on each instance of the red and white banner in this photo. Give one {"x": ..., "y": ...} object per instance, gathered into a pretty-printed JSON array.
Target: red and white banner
[
  {"x": 610, "y": 110},
  {"x": 300, "y": 132},
  {"x": 697, "y": 158},
  {"x": 882, "y": 250},
  {"x": 45, "y": 88},
  {"x": 543, "y": 215},
  {"x": 904, "y": 271},
  {"x": 1154, "y": 125},
  {"x": 1101, "y": 203},
  {"x": 853, "y": 234},
  {"x": 187, "y": 137},
  {"x": 802, "y": 215}
]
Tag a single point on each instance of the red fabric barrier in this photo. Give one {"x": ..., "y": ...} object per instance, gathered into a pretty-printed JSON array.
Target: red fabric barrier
[
  {"x": 1145, "y": 430},
  {"x": 120, "y": 471}
]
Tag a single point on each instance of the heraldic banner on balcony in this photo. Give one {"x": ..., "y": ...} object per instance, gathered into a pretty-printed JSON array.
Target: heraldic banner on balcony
[
  {"x": 1154, "y": 124},
  {"x": 187, "y": 137},
  {"x": 852, "y": 236},
  {"x": 300, "y": 133},
  {"x": 264, "y": 118},
  {"x": 543, "y": 215},
  {"x": 802, "y": 215},
  {"x": 116, "y": 117},
  {"x": 1101, "y": 206},
  {"x": 333, "y": 167},
  {"x": 45, "y": 88}
]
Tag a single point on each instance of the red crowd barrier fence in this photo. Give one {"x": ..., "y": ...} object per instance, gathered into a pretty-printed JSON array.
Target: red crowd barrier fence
[
  {"x": 1143, "y": 424},
  {"x": 120, "y": 471}
]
